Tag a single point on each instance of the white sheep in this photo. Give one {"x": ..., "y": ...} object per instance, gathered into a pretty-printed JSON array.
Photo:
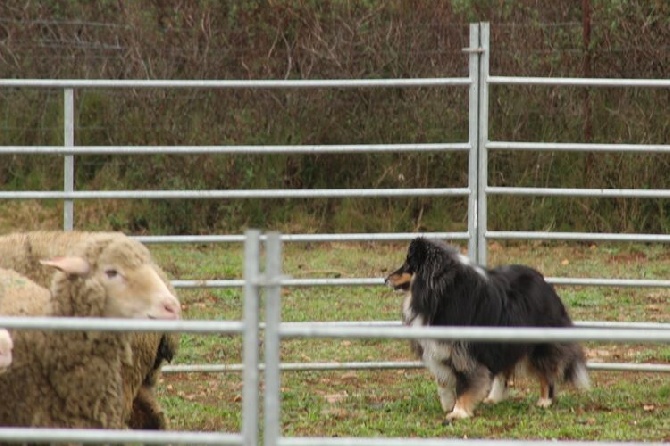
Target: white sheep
[
  {"x": 22, "y": 251},
  {"x": 73, "y": 379},
  {"x": 6, "y": 346}
]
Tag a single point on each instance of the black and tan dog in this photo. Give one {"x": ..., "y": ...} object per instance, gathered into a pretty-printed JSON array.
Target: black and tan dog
[{"x": 444, "y": 289}]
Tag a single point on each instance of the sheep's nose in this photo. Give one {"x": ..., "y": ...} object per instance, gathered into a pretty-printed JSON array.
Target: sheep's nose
[{"x": 172, "y": 310}]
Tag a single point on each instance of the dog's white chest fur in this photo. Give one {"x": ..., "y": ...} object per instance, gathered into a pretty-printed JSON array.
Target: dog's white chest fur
[
  {"x": 440, "y": 357},
  {"x": 435, "y": 353}
]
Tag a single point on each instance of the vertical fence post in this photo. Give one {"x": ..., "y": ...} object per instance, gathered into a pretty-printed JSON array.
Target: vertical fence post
[
  {"x": 272, "y": 340},
  {"x": 68, "y": 168},
  {"x": 473, "y": 139},
  {"x": 483, "y": 137},
  {"x": 250, "y": 350}
]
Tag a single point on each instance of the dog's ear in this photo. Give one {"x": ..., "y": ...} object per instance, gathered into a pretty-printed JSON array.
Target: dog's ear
[{"x": 416, "y": 254}]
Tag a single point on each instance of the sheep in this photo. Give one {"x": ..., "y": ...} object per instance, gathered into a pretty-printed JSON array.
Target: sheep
[
  {"x": 6, "y": 346},
  {"x": 21, "y": 252},
  {"x": 73, "y": 379}
]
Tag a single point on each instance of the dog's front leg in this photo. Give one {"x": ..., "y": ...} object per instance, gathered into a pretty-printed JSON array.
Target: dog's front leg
[
  {"x": 447, "y": 393},
  {"x": 446, "y": 382},
  {"x": 471, "y": 388}
]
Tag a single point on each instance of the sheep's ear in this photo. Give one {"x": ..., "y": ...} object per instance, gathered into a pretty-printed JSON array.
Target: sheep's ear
[{"x": 69, "y": 265}]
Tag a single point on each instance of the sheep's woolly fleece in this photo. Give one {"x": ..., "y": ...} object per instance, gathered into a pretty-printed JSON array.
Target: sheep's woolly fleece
[
  {"x": 73, "y": 379},
  {"x": 6, "y": 346},
  {"x": 6, "y": 342},
  {"x": 22, "y": 251}
]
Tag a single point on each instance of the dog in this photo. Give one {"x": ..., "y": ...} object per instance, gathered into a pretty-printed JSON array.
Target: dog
[{"x": 443, "y": 288}]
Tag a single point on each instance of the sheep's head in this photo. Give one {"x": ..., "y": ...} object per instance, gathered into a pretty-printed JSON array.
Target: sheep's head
[
  {"x": 6, "y": 346},
  {"x": 122, "y": 269}
]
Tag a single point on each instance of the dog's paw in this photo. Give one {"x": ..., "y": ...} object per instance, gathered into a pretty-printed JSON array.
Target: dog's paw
[
  {"x": 498, "y": 391},
  {"x": 544, "y": 402},
  {"x": 457, "y": 414},
  {"x": 495, "y": 398}
]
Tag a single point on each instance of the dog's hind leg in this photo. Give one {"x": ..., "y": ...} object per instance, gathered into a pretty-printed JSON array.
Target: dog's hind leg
[
  {"x": 566, "y": 363},
  {"x": 547, "y": 391},
  {"x": 498, "y": 389},
  {"x": 545, "y": 363},
  {"x": 471, "y": 388},
  {"x": 574, "y": 366},
  {"x": 558, "y": 363}
]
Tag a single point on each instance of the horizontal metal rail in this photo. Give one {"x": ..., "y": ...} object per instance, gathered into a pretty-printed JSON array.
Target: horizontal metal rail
[
  {"x": 371, "y": 282},
  {"x": 585, "y": 324},
  {"x": 104, "y": 436},
  {"x": 331, "y": 282},
  {"x": 622, "y": 283},
  {"x": 483, "y": 334},
  {"x": 233, "y": 194},
  {"x": 577, "y": 147},
  {"x": 364, "y": 328},
  {"x": 387, "y": 365},
  {"x": 570, "y": 192},
  {"x": 595, "y": 236},
  {"x": 207, "y": 283},
  {"x": 578, "y": 82},
  {"x": 628, "y": 367},
  {"x": 343, "y": 237},
  {"x": 636, "y": 325},
  {"x": 327, "y": 83},
  {"x": 306, "y": 149},
  {"x": 390, "y": 441},
  {"x": 292, "y": 367},
  {"x": 295, "y": 283},
  {"x": 109, "y": 324},
  {"x": 247, "y": 84}
]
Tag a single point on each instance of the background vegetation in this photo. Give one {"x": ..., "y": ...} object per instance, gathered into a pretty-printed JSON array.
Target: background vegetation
[{"x": 304, "y": 39}]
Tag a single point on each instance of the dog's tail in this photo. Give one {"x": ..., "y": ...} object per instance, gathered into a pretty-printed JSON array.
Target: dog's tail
[{"x": 575, "y": 371}]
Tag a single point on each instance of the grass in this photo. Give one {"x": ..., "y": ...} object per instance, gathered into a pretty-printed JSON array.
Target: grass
[{"x": 621, "y": 406}]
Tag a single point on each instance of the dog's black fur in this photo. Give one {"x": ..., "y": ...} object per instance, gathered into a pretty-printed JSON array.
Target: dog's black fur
[{"x": 444, "y": 289}]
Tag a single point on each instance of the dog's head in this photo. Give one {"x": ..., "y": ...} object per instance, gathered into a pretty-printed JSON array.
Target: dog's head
[{"x": 417, "y": 253}]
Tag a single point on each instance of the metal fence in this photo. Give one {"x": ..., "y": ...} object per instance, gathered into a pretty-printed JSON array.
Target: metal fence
[
  {"x": 477, "y": 190},
  {"x": 272, "y": 280}
]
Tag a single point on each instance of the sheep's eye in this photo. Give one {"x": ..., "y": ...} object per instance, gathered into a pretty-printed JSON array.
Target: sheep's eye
[{"x": 111, "y": 273}]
